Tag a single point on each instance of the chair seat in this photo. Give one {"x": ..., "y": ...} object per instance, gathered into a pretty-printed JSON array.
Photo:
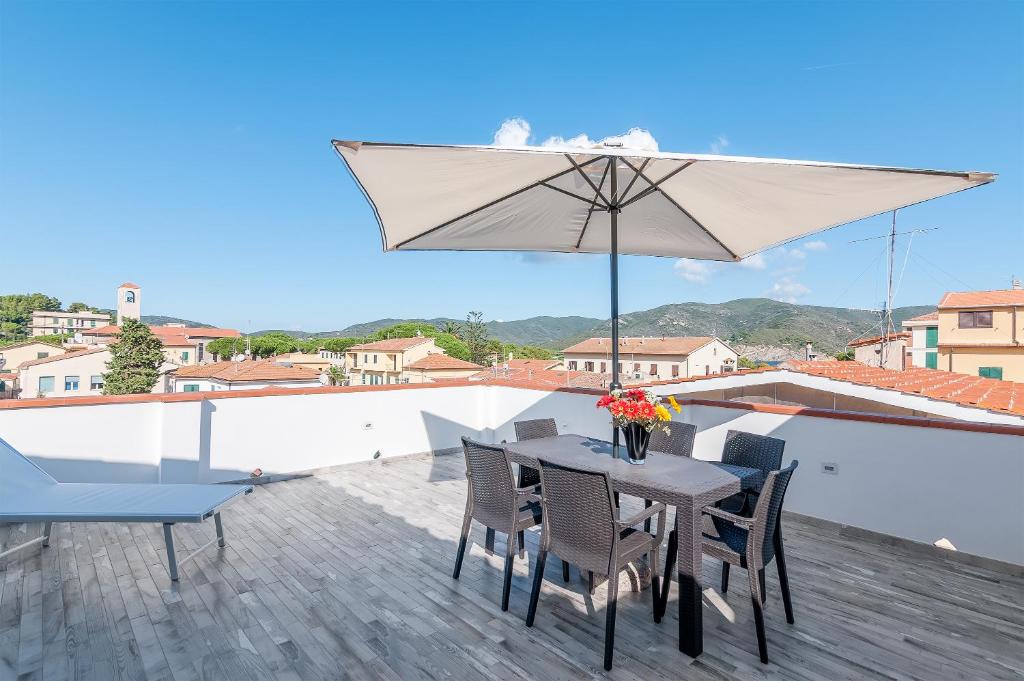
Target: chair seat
[
  {"x": 633, "y": 543},
  {"x": 530, "y": 514}
]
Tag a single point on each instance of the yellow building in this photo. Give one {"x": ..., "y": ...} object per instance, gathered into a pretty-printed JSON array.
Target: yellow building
[
  {"x": 11, "y": 356},
  {"x": 385, "y": 362},
  {"x": 982, "y": 333}
]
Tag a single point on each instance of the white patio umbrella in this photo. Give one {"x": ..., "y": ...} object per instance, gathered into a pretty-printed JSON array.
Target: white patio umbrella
[{"x": 613, "y": 200}]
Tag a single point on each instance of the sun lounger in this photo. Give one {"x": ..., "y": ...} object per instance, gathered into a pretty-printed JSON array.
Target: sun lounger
[{"x": 28, "y": 494}]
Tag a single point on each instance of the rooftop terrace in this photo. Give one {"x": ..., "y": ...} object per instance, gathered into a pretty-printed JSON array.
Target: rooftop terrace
[{"x": 347, "y": 574}]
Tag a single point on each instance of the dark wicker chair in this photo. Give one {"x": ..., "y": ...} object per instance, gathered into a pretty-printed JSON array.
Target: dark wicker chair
[
  {"x": 495, "y": 502},
  {"x": 678, "y": 442},
  {"x": 582, "y": 526},
  {"x": 751, "y": 451},
  {"x": 750, "y": 542}
]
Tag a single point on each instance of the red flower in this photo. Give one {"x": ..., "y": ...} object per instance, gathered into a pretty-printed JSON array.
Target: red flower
[{"x": 605, "y": 401}]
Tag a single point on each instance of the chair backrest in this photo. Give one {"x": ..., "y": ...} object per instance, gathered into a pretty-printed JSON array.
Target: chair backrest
[
  {"x": 579, "y": 516},
  {"x": 753, "y": 451},
  {"x": 531, "y": 430},
  {"x": 769, "y": 506},
  {"x": 18, "y": 474},
  {"x": 490, "y": 485},
  {"x": 679, "y": 441}
]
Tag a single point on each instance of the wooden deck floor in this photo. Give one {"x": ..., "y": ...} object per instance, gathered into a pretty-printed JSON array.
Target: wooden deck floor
[{"x": 347, "y": 575}]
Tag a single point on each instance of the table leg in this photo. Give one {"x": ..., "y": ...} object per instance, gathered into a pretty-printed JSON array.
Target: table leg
[{"x": 689, "y": 562}]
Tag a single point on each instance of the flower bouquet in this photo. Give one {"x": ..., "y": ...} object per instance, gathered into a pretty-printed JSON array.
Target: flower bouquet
[{"x": 637, "y": 412}]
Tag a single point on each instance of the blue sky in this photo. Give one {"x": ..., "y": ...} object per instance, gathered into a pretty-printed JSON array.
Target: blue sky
[{"x": 185, "y": 146}]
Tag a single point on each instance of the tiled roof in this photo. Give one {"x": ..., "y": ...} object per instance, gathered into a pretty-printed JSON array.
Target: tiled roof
[
  {"x": 393, "y": 344},
  {"x": 260, "y": 370},
  {"x": 954, "y": 299},
  {"x": 163, "y": 332},
  {"x": 544, "y": 377},
  {"x": 928, "y": 317},
  {"x": 678, "y": 345},
  {"x": 441, "y": 361},
  {"x": 532, "y": 363},
  {"x": 8, "y": 377},
  {"x": 971, "y": 391},
  {"x": 129, "y": 284},
  {"x": 26, "y": 343},
  {"x": 58, "y": 358},
  {"x": 860, "y": 342}
]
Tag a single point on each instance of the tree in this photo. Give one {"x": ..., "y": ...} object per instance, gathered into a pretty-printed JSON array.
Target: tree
[
  {"x": 452, "y": 328},
  {"x": 475, "y": 336},
  {"x": 845, "y": 356},
  {"x": 334, "y": 344},
  {"x": 17, "y": 309},
  {"x": 452, "y": 346},
  {"x": 337, "y": 374},
  {"x": 226, "y": 348},
  {"x": 745, "y": 363},
  {"x": 135, "y": 360},
  {"x": 403, "y": 330},
  {"x": 79, "y": 307}
]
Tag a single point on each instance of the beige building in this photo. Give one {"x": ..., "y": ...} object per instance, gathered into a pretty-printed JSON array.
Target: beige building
[
  {"x": 654, "y": 359},
  {"x": 384, "y": 362},
  {"x": 438, "y": 366},
  {"x": 982, "y": 333},
  {"x": 73, "y": 374},
  {"x": 48, "y": 323},
  {"x": 322, "y": 361},
  {"x": 183, "y": 345},
  {"x": 869, "y": 351},
  {"x": 12, "y": 356}
]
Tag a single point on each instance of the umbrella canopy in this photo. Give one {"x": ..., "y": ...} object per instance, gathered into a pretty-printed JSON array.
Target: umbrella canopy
[
  {"x": 608, "y": 199},
  {"x": 562, "y": 199}
]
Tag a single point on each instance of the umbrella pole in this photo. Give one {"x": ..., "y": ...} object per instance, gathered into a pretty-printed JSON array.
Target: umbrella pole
[{"x": 614, "y": 266}]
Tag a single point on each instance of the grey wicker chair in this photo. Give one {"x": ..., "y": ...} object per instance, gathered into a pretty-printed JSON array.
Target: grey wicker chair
[
  {"x": 582, "y": 525},
  {"x": 749, "y": 542},
  {"x": 495, "y": 502},
  {"x": 751, "y": 451}
]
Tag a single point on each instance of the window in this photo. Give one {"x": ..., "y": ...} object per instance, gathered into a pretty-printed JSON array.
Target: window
[
  {"x": 375, "y": 359},
  {"x": 654, "y": 369},
  {"x": 714, "y": 351},
  {"x": 588, "y": 366},
  {"x": 184, "y": 355},
  {"x": 199, "y": 352},
  {"x": 129, "y": 297},
  {"x": 976, "y": 319},
  {"x": 604, "y": 367},
  {"x": 96, "y": 382},
  {"x": 366, "y": 358},
  {"x": 931, "y": 360},
  {"x": 93, "y": 323},
  {"x": 46, "y": 384},
  {"x": 190, "y": 388},
  {"x": 572, "y": 365},
  {"x": 620, "y": 367},
  {"x": 931, "y": 337},
  {"x": 991, "y": 372},
  {"x": 41, "y": 355},
  {"x": 675, "y": 371},
  {"x": 71, "y": 383},
  {"x": 636, "y": 366}
]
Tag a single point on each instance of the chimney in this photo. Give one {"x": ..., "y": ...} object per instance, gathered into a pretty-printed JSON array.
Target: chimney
[
  {"x": 809, "y": 354},
  {"x": 1015, "y": 284}
]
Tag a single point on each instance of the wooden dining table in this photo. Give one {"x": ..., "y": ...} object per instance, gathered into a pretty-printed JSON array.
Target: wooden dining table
[{"x": 686, "y": 483}]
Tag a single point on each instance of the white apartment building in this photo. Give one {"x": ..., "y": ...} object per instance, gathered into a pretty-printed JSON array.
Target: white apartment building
[
  {"x": 244, "y": 375},
  {"x": 48, "y": 322},
  {"x": 923, "y": 347},
  {"x": 654, "y": 359},
  {"x": 73, "y": 374}
]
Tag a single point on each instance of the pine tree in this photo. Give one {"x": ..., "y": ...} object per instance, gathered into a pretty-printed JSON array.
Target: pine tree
[
  {"x": 134, "y": 365},
  {"x": 474, "y": 334}
]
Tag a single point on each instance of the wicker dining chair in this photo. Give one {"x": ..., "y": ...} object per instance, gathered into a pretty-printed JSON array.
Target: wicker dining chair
[
  {"x": 749, "y": 542},
  {"x": 582, "y": 526},
  {"x": 495, "y": 502},
  {"x": 750, "y": 451}
]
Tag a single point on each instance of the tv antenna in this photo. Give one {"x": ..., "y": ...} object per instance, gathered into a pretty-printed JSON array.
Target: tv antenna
[{"x": 888, "y": 329}]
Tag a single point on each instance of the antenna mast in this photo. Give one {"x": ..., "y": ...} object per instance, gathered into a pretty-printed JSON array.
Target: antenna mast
[{"x": 887, "y": 326}]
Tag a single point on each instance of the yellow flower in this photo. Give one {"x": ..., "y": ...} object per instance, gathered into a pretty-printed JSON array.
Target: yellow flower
[
  {"x": 662, "y": 413},
  {"x": 675, "y": 405}
]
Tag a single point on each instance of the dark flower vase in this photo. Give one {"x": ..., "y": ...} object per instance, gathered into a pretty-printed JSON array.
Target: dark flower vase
[{"x": 636, "y": 439}]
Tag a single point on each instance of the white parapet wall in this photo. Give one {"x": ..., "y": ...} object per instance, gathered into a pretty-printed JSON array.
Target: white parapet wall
[{"x": 917, "y": 479}]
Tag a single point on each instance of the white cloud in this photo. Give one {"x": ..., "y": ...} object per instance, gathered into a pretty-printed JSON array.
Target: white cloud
[
  {"x": 788, "y": 290},
  {"x": 797, "y": 253},
  {"x": 720, "y": 144},
  {"x": 695, "y": 271},
  {"x": 815, "y": 246},
  {"x": 514, "y": 132},
  {"x": 634, "y": 138},
  {"x": 754, "y": 262}
]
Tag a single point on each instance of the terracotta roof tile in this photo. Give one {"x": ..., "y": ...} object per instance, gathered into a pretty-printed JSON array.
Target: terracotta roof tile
[
  {"x": 393, "y": 344},
  {"x": 927, "y": 317},
  {"x": 57, "y": 358},
  {"x": 671, "y": 345},
  {"x": 441, "y": 361},
  {"x": 902, "y": 335},
  {"x": 261, "y": 370},
  {"x": 1008, "y": 297},
  {"x": 971, "y": 391}
]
